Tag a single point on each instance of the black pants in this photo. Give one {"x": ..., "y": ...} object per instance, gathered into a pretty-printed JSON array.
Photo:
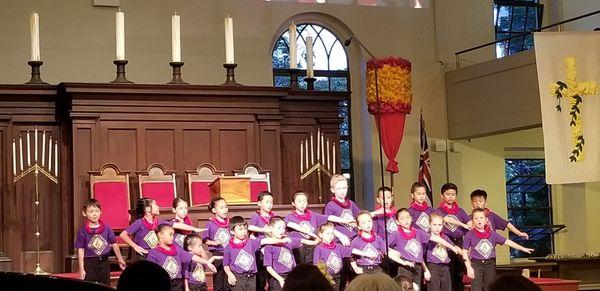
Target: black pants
[
  {"x": 198, "y": 287},
  {"x": 485, "y": 273},
  {"x": 389, "y": 267},
  {"x": 415, "y": 273},
  {"x": 261, "y": 272},
  {"x": 137, "y": 257},
  {"x": 371, "y": 269},
  {"x": 346, "y": 274},
  {"x": 274, "y": 284},
  {"x": 244, "y": 282},
  {"x": 440, "y": 277},
  {"x": 457, "y": 267},
  {"x": 304, "y": 254},
  {"x": 177, "y": 285},
  {"x": 336, "y": 285},
  {"x": 220, "y": 277},
  {"x": 97, "y": 269}
]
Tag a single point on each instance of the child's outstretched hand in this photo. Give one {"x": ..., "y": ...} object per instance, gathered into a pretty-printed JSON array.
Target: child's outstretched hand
[
  {"x": 427, "y": 275},
  {"x": 214, "y": 269},
  {"x": 523, "y": 235},
  {"x": 213, "y": 258},
  {"x": 82, "y": 274},
  {"x": 358, "y": 270},
  {"x": 122, "y": 264},
  {"x": 408, "y": 264},
  {"x": 231, "y": 279},
  {"x": 140, "y": 250},
  {"x": 197, "y": 229},
  {"x": 457, "y": 250},
  {"x": 344, "y": 240},
  {"x": 527, "y": 250},
  {"x": 286, "y": 240}
]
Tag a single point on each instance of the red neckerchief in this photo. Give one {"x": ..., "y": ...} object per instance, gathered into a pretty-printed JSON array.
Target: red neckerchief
[
  {"x": 264, "y": 219},
  {"x": 224, "y": 224},
  {"x": 169, "y": 252},
  {"x": 96, "y": 230},
  {"x": 372, "y": 239},
  {"x": 187, "y": 221},
  {"x": 345, "y": 204},
  {"x": 240, "y": 245},
  {"x": 408, "y": 236},
  {"x": 148, "y": 225},
  {"x": 419, "y": 207},
  {"x": 330, "y": 245},
  {"x": 486, "y": 233},
  {"x": 302, "y": 217},
  {"x": 388, "y": 214},
  {"x": 449, "y": 209}
]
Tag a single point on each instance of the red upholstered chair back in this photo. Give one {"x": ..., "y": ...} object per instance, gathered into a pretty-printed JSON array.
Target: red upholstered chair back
[
  {"x": 159, "y": 184},
  {"x": 198, "y": 181},
  {"x": 260, "y": 180},
  {"x": 110, "y": 186}
]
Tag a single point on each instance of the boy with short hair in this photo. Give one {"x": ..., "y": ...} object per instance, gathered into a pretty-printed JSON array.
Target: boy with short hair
[
  {"x": 93, "y": 244},
  {"x": 479, "y": 201},
  {"x": 419, "y": 209},
  {"x": 390, "y": 223},
  {"x": 259, "y": 226}
]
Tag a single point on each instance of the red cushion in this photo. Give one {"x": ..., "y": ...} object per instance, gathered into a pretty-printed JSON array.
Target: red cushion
[
  {"x": 200, "y": 193},
  {"x": 114, "y": 198},
  {"x": 256, "y": 188},
  {"x": 162, "y": 192}
]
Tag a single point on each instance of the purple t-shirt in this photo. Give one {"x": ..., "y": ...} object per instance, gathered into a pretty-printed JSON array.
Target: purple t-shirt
[
  {"x": 482, "y": 249},
  {"x": 332, "y": 258},
  {"x": 95, "y": 241},
  {"x": 310, "y": 222},
  {"x": 380, "y": 225},
  {"x": 495, "y": 221},
  {"x": 259, "y": 221},
  {"x": 410, "y": 249},
  {"x": 452, "y": 230},
  {"x": 195, "y": 273},
  {"x": 377, "y": 247},
  {"x": 241, "y": 257},
  {"x": 280, "y": 256},
  {"x": 173, "y": 264},
  {"x": 218, "y": 234},
  {"x": 420, "y": 219},
  {"x": 142, "y": 235},
  {"x": 333, "y": 208},
  {"x": 180, "y": 235},
  {"x": 437, "y": 253}
]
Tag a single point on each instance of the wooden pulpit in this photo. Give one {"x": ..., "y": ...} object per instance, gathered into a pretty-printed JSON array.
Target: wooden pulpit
[{"x": 235, "y": 190}]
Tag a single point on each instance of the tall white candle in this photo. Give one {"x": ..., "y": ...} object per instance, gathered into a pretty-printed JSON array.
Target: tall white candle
[
  {"x": 175, "y": 38},
  {"x": 229, "y": 52},
  {"x": 35, "y": 146},
  {"x": 328, "y": 164},
  {"x": 309, "y": 57},
  {"x": 312, "y": 150},
  {"x": 334, "y": 162},
  {"x": 50, "y": 155},
  {"x": 322, "y": 149},
  {"x": 28, "y": 150},
  {"x": 120, "y": 34},
  {"x": 14, "y": 157},
  {"x": 43, "y": 147},
  {"x": 301, "y": 156},
  {"x": 55, "y": 158},
  {"x": 21, "y": 152},
  {"x": 306, "y": 152},
  {"x": 318, "y": 145},
  {"x": 35, "y": 36},
  {"x": 293, "y": 46}
]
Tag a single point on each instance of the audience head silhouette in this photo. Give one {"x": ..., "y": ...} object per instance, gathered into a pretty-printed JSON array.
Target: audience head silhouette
[
  {"x": 373, "y": 282},
  {"x": 144, "y": 275},
  {"x": 305, "y": 277}
]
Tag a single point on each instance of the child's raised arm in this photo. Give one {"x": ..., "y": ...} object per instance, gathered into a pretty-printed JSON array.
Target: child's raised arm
[
  {"x": 397, "y": 257},
  {"x": 125, "y": 237},
  {"x": 342, "y": 237},
  {"x": 309, "y": 242},
  {"x": 183, "y": 226},
  {"x": 517, "y": 246},
  {"x": 516, "y": 231},
  {"x": 443, "y": 242},
  {"x": 299, "y": 228},
  {"x": 273, "y": 241},
  {"x": 451, "y": 220}
]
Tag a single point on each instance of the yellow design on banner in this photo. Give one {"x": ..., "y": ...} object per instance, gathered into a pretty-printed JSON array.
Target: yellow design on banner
[{"x": 574, "y": 92}]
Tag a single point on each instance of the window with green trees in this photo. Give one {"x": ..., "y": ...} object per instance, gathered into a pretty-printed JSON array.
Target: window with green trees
[{"x": 512, "y": 18}]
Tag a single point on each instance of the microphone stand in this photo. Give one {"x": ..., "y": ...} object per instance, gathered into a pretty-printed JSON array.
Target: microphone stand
[{"x": 347, "y": 43}]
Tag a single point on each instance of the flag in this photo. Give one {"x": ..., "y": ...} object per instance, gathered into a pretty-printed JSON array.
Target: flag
[
  {"x": 568, "y": 69},
  {"x": 425, "y": 163}
]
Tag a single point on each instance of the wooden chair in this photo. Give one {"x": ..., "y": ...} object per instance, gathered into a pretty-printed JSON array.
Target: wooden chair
[
  {"x": 110, "y": 186},
  {"x": 159, "y": 184},
  {"x": 198, "y": 183},
  {"x": 260, "y": 180}
]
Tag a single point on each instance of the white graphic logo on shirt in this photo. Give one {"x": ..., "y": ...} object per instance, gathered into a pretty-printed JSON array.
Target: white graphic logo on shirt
[
  {"x": 198, "y": 273},
  {"x": 347, "y": 215},
  {"x": 97, "y": 244},
  {"x": 440, "y": 252},
  {"x": 423, "y": 222},
  {"x": 222, "y": 236},
  {"x": 371, "y": 251},
  {"x": 334, "y": 262},
  {"x": 179, "y": 239},
  {"x": 151, "y": 239},
  {"x": 484, "y": 247},
  {"x": 306, "y": 226},
  {"x": 413, "y": 247},
  {"x": 450, "y": 226},
  {"x": 285, "y": 258},
  {"x": 170, "y": 265},
  {"x": 391, "y": 226},
  {"x": 244, "y": 260}
]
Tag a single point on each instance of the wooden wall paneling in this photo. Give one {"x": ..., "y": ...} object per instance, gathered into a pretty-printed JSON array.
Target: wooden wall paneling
[
  {"x": 6, "y": 165},
  {"x": 160, "y": 147},
  {"x": 236, "y": 147},
  {"x": 85, "y": 158},
  {"x": 269, "y": 149}
]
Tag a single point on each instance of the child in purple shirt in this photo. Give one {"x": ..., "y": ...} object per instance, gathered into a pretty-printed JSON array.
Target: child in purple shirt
[
  {"x": 437, "y": 270},
  {"x": 419, "y": 209},
  {"x": 239, "y": 259},
  {"x": 172, "y": 258},
  {"x": 305, "y": 223},
  {"x": 93, "y": 244},
  {"x": 479, "y": 201},
  {"x": 385, "y": 223},
  {"x": 259, "y": 225},
  {"x": 409, "y": 241},
  {"x": 196, "y": 277},
  {"x": 180, "y": 208},
  {"x": 216, "y": 237},
  {"x": 479, "y": 248},
  {"x": 143, "y": 228},
  {"x": 279, "y": 259}
]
